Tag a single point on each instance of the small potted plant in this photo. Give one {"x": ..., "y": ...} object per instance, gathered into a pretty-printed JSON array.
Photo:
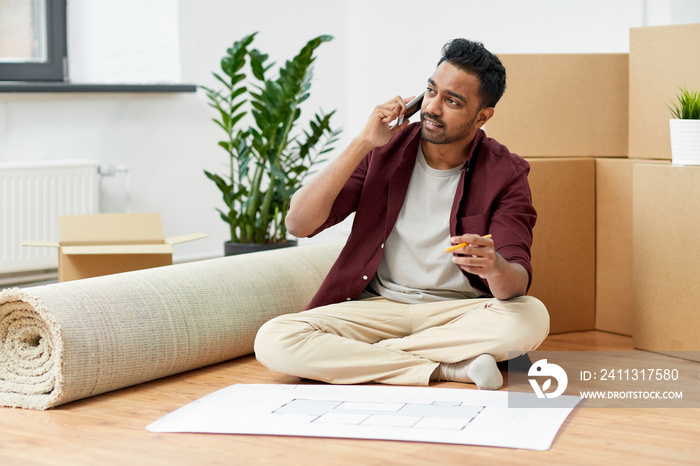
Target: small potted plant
[
  {"x": 685, "y": 128},
  {"x": 268, "y": 157}
]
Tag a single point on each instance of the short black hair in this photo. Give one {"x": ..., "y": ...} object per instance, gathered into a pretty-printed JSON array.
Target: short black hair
[{"x": 473, "y": 57}]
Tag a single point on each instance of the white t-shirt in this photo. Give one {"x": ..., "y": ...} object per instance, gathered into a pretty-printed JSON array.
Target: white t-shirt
[{"x": 414, "y": 266}]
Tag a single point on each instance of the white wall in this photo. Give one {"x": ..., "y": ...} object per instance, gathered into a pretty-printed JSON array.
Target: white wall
[
  {"x": 381, "y": 48},
  {"x": 401, "y": 63}
]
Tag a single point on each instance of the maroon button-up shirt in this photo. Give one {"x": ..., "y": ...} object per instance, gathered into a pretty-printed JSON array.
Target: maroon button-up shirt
[{"x": 493, "y": 196}]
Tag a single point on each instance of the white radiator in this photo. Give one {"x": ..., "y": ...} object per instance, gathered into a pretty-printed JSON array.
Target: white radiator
[{"x": 32, "y": 196}]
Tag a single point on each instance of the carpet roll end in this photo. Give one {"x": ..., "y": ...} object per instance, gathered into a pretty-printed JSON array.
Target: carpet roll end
[{"x": 30, "y": 353}]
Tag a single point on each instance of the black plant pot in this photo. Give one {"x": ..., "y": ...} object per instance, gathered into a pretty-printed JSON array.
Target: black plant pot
[{"x": 232, "y": 249}]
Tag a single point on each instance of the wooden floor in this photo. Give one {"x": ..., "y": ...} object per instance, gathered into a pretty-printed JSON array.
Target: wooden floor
[{"x": 110, "y": 429}]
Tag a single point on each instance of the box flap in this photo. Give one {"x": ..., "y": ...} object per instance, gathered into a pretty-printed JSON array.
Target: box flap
[
  {"x": 110, "y": 229},
  {"x": 185, "y": 238},
  {"x": 43, "y": 244},
  {"x": 118, "y": 249}
]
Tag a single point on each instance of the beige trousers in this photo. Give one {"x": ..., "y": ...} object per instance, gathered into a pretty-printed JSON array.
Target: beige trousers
[{"x": 379, "y": 340}]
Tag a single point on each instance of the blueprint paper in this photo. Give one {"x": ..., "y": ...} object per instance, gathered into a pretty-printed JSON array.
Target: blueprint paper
[{"x": 419, "y": 414}]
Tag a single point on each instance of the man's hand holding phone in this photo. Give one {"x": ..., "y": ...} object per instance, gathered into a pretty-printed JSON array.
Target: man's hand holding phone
[
  {"x": 411, "y": 108},
  {"x": 312, "y": 204},
  {"x": 389, "y": 118}
]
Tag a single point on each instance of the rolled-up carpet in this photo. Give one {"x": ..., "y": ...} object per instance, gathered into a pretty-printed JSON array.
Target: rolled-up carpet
[{"x": 71, "y": 340}]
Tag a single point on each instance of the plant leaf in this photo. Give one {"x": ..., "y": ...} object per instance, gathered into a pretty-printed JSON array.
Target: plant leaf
[{"x": 269, "y": 158}]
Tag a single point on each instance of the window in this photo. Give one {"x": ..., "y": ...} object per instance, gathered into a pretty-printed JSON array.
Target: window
[{"x": 32, "y": 40}]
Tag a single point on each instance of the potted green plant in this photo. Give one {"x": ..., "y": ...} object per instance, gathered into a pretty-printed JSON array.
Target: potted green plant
[
  {"x": 268, "y": 157},
  {"x": 685, "y": 128}
]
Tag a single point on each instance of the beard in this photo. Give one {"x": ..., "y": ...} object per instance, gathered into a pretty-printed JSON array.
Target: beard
[{"x": 442, "y": 134}]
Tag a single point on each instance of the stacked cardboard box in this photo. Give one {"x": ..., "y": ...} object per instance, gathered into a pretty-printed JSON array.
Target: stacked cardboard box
[
  {"x": 665, "y": 212},
  {"x": 614, "y": 254},
  {"x": 666, "y": 260},
  {"x": 563, "y": 251},
  {"x": 563, "y": 105},
  {"x": 613, "y": 109},
  {"x": 662, "y": 60},
  {"x": 561, "y": 111}
]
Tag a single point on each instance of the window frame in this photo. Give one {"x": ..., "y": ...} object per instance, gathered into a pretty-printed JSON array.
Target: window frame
[{"x": 54, "y": 69}]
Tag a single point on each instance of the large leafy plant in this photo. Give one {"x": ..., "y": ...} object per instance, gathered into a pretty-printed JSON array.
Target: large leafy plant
[
  {"x": 267, "y": 160},
  {"x": 687, "y": 106}
]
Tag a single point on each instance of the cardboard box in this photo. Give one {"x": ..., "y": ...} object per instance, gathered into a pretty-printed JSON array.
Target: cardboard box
[
  {"x": 103, "y": 244},
  {"x": 666, "y": 257},
  {"x": 563, "y": 251},
  {"x": 614, "y": 279},
  {"x": 662, "y": 59},
  {"x": 563, "y": 105}
]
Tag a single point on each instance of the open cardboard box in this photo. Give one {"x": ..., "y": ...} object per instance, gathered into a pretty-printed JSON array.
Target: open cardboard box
[{"x": 103, "y": 244}]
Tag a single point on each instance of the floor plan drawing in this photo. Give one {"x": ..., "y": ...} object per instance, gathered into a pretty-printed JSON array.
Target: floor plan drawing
[
  {"x": 437, "y": 415},
  {"x": 413, "y": 414}
]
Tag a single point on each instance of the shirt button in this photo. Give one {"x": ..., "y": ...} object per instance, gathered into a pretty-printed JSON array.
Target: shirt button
[
  {"x": 348, "y": 299},
  {"x": 382, "y": 245},
  {"x": 364, "y": 277}
]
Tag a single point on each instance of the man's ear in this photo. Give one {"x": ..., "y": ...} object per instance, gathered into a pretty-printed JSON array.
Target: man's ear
[{"x": 485, "y": 115}]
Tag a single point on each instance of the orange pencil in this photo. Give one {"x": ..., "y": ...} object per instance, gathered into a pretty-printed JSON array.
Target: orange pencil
[{"x": 461, "y": 245}]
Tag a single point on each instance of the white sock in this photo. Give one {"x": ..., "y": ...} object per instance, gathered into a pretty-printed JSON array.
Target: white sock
[{"x": 481, "y": 370}]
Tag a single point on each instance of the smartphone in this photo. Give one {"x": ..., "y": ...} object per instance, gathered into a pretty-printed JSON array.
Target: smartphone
[{"x": 413, "y": 106}]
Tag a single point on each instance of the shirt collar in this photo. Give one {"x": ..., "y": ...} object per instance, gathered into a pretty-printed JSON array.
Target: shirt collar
[{"x": 476, "y": 142}]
